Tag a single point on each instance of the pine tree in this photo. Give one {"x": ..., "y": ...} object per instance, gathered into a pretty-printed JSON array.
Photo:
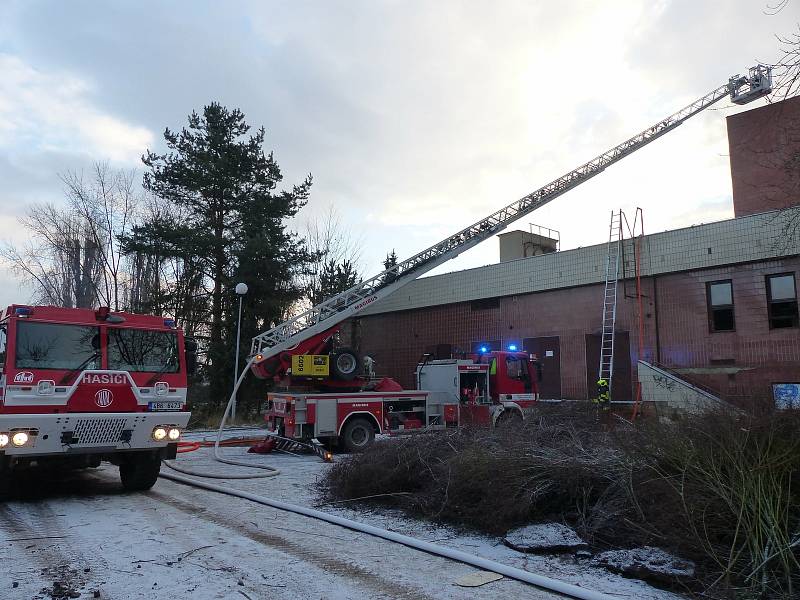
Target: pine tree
[
  {"x": 389, "y": 262},
  {"x": 335, "y": 278},
  {"x": 218, "y": 177}
]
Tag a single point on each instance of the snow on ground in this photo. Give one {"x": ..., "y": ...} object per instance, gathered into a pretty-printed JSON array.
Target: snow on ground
[{"x": 80, "y": 530}]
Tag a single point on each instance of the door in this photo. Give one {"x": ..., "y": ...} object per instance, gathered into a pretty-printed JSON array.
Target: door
[
  {"x": 325, "y": 420},
  {"x": 548, "y": 349},
  {"x": 621, "y": 384}
]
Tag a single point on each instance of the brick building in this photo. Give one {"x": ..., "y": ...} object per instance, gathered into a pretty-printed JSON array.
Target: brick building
[
  {"x": 719, "y": 300},
  {"x": 764, "y": 148}
]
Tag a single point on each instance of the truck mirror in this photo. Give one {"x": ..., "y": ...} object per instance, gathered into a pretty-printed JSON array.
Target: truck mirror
[{"x": 191, "y": 355}]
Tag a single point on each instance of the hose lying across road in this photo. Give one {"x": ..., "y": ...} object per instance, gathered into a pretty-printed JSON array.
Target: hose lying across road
[
  {"x": 476, "y": 561},
  {"x": 554, "y": 585}
]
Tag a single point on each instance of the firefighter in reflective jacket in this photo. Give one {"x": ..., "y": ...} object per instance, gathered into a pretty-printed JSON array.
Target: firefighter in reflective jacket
[{"x": 602, "y": 399}]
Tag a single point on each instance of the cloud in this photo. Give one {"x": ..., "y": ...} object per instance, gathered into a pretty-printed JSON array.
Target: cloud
[
  {"x": 44, "y": 111},
  {"x": 416, "y": 118}
]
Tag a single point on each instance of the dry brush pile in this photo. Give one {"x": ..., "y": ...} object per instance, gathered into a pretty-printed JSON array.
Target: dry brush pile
[{"x": 722, "y": 489}]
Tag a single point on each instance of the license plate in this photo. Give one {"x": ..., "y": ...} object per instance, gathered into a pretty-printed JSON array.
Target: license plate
[{"x": 175, "y": 405}]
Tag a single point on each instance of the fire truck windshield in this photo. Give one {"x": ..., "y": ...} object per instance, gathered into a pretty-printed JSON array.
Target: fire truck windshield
[
  {"x": 56, "y": 346},
  {"x": 142, "y": 350},
  {"x": 3, "y": 332}
]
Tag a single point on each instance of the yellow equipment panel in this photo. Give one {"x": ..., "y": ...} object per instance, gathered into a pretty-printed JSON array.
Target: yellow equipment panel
[{"x": 310, "y": 365}]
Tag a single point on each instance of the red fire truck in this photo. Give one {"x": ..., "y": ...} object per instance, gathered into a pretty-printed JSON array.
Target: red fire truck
[
  {"x": 80, "y": 386},
  {"x": 488, "y": 388}
]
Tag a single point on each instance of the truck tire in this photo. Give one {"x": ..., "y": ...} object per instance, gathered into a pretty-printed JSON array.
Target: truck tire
[
  {"x": 6, "y": 475},
  {"x": 345, "y": 364},
  {"x": 358, "y": 435},
  {"x": 509, "y": 418},
  {"x": 139, "y": 473}
]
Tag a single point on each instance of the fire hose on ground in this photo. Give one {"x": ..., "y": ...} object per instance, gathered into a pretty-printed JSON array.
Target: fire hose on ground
[
  {"x": 270, "y": 470},
  {"x": 568, "y": 589},
  {"x": 541, "y": 581}
]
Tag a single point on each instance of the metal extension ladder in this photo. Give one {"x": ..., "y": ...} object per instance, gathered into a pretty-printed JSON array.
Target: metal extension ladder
[{"x": 606, "y": 369}]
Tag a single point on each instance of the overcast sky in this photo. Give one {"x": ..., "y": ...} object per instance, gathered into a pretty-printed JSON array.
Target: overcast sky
[{"x": 415, "y": 118}]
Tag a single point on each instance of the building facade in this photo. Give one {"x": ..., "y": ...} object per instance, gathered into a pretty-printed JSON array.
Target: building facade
[{"x": 717, "y": 302}]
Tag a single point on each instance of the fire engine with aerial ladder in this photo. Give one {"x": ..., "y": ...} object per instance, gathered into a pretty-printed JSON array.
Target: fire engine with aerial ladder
[{"x": 329, "y": 395}]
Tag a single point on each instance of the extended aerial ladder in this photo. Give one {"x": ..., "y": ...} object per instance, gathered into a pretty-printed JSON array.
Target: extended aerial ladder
[{"x": 324, "y": 317}]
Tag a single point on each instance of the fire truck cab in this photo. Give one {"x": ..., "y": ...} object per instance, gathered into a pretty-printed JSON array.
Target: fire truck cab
[{"x": 80, "y": 386}]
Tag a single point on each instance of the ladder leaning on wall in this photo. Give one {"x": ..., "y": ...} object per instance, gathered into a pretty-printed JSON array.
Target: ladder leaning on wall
[{"x": 606, "y": 368}]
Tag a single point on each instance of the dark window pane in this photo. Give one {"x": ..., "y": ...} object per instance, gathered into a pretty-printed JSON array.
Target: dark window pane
[
  {"x": 142, "y": 350},
  {"x": 783, "y": 314},
  {"x": 485, "y": 304},
  {"x": 53, "y": 346},
  {"x": 784, "y": 309},
  {"x": 781, "y": 287},
  {"x": 721, "y": 293},
  {"x": 722, "y": 319}
]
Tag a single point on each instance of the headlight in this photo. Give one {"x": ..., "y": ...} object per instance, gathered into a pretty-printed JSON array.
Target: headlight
[
  {"x": 159, "y": 433},
  {"x": 174, "y": 434},
  {"x": 3, "y": 440},
  {"x": 20, "y": 438}
]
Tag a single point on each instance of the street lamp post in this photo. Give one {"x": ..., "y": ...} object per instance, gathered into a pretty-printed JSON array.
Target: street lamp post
[{"x": 241, "y": 290}]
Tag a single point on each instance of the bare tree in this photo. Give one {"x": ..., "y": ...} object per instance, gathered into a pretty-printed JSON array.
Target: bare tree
[
  {"x": 60, "y": 262},
  {"x": 337, "y": 255},
  {"x": 74, "y": 258},
  {"x": 786, "y": 71},
  {"x": 106, "y": 204}
]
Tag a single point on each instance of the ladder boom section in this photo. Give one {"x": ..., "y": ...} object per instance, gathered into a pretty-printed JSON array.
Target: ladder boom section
[{"x": 333, "y": 311}]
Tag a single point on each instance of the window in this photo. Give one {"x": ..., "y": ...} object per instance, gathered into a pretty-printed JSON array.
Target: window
[
  {"x": 485, "y": 304},
  {"x": 782, "y": 300},
  {"x": 142, "y": 350},
  {"x": 3, "y": 329},
  {"x": 719, "y": 295},
  {"x": 516, "y": 368},
  {"x": 54, "y": 346}
]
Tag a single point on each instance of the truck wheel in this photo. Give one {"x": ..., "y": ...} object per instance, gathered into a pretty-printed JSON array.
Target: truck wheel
[
  {"x": 509, "y": 418},
  {"x": 139, "y": 473},
  {"x": 6, "y": 475},
  {"x": 358, "y": 435},
  {"x": 345, "y": 364}
]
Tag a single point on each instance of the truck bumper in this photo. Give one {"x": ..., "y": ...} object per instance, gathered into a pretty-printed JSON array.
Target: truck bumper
[{"x": 81, "y": 433}]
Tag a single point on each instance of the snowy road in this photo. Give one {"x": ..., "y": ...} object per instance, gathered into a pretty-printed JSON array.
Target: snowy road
[{"x": 81, "y": 536}]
